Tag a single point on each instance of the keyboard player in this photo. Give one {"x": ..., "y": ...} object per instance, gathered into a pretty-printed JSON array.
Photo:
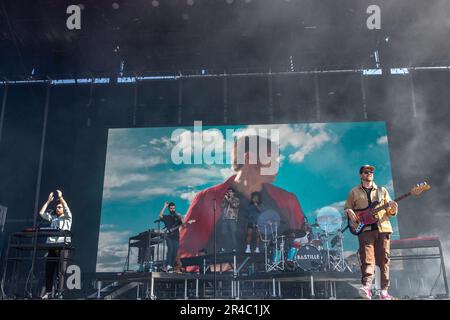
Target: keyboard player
[{"x": 60, "y": 219}]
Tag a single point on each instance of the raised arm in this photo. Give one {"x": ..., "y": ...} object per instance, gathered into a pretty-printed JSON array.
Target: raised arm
[
  {"x": 225, "y": 201},
  {"x": 67, "y": 212},
  {"x": 161, "y": 213},
  {"x": 43, "y": 212}
]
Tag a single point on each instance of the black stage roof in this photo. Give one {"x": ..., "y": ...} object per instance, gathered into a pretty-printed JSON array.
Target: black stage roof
[{"x": 217, "y": 35}]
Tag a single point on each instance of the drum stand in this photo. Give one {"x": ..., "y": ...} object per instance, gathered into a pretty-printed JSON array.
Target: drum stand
[
  {"x": 277, "y": 263},
  {"x": 338, "y": 262},
  {"x": 327, "y": 248}
]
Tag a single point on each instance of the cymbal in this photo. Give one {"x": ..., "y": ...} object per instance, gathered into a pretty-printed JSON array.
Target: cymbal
[
  {"x": 329, "y": 219},
  {"x": 268, "y": 222}
]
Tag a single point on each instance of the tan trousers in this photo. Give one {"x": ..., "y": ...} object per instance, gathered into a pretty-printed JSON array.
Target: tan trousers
[{"x": 374, "y": 249}]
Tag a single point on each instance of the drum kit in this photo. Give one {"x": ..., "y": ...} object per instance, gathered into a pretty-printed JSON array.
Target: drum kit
[{"x": 316, "y": 247}]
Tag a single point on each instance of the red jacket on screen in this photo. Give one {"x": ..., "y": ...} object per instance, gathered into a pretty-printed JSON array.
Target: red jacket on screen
[{"x": 196, "y": 236}]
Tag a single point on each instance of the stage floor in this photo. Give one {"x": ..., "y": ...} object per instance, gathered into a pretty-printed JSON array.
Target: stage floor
[{"x": 228, "y": 285}]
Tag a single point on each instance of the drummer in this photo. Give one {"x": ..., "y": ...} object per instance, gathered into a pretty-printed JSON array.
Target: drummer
[{"x": 304, "y": 235}]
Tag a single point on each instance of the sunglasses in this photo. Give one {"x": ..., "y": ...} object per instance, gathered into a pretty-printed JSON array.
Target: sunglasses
[
  {"x": 367, "y": 172},
  {"x": 59, "y": 207}
]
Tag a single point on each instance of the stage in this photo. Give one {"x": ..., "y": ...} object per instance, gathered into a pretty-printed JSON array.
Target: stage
[
  {"x": 161, "y": 285},
  {"x": 249, "y": 280},
  {"x": 143, "y": 136}
]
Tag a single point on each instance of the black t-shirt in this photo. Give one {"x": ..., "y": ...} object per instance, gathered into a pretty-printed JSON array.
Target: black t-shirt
[
  {"x": 373, "y": 226},
  {"x": 245, "y": 216},
  {"x": 172, "y": 221},
  {"x": 368, "y": 191},
  {"x": 268, "y": 210}
]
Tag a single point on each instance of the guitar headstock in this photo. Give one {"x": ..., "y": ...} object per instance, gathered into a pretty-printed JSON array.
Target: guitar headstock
[{"x": 419, "y": 188}]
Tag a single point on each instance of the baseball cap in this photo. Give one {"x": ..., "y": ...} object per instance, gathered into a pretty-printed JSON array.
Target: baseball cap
[{"x": 366, "y": 166}]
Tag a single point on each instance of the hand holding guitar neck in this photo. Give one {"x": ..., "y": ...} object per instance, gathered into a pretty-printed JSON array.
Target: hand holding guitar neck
[
  {"x": 188, "y": 222},
  {"x": 393, "y": 205}
]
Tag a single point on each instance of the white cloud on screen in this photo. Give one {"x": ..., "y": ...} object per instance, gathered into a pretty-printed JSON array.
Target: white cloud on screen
[
  {"x": 154, "y": 184},
  {"x": 133, "y": 160},
  {"x": 112, "y": 250},
  {"x": 163, "y": 143},
  {"x": 132, "y": 173},
  {"x": 188, "y": 195},
  {"x": 339, "y": 206},
  {"x": 115, "y": 180},
  {"x": 305, "y": 140},
  {"x": 302, "y": 139}
]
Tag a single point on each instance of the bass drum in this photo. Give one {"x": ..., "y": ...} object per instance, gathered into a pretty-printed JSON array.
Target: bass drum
[{"x": 308, "y": 258}]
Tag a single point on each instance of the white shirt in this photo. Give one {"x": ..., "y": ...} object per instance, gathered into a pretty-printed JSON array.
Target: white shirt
[{"x": 64, "y": 222}]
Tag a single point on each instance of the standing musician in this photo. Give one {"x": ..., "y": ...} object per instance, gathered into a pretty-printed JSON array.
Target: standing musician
[
  {"x": 171, "y": 221},
  {"x": 255, "y": 208},
  {"x": 374, "y": 240},
  {"x": 230, "y": 216},
  {"x": 62, "y": 220}
]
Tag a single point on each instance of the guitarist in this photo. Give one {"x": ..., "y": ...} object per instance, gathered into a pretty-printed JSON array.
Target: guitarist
[
  {"x": 374, "y": 240},
  {"x": 171, "y": 222}
]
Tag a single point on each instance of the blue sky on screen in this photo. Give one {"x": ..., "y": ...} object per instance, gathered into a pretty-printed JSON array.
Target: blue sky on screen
[{"x": 319, "y": 164}]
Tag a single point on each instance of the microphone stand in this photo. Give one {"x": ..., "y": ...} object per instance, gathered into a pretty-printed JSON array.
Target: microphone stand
[
  {"x": 159, "y": 245},
  {"x": 215, "y": 256},
  {"x": 155, "y": 262}
]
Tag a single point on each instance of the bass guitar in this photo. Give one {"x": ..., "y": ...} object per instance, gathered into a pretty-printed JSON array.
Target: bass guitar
[
  {"x": 170, "y": 230},
  {"x": 369, "y": 216}
]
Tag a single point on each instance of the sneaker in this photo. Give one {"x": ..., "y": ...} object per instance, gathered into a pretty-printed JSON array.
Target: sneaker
[
  {"x": 46, "y": 296},
  {"x": 384, "y": 295},
  {"x": 365, "y": 293},
  {"x": 376, "y": 295},
  {"x": 257, "y": 250},
  {"x": 248, "y": 250}
]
